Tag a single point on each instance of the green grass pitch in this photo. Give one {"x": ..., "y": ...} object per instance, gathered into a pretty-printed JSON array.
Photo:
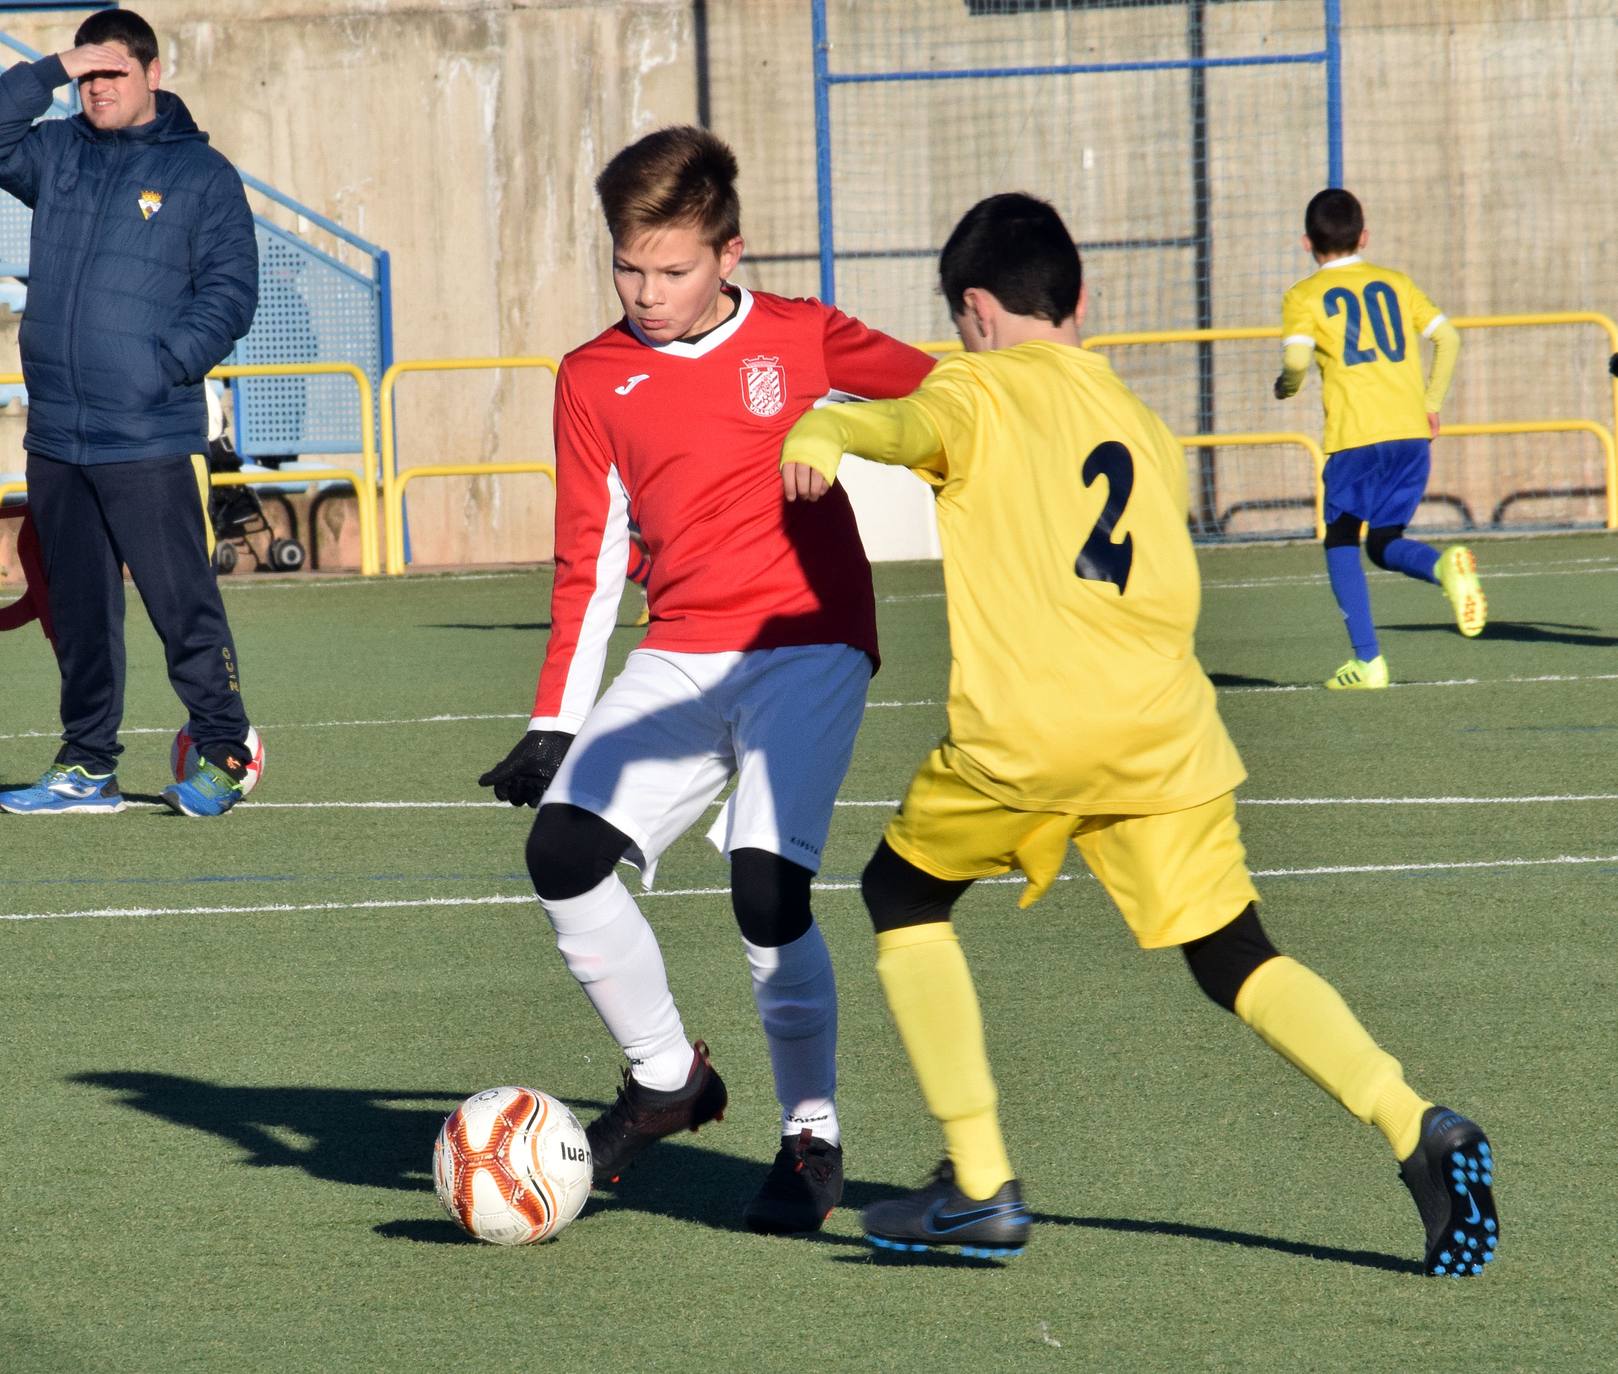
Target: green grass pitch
[{"x": 228, "y": 1045}]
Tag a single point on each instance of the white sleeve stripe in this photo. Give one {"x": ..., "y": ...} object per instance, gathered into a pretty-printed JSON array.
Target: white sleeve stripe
[
  {"x": 601, "y": 614},
  {"x": 1298, "y": 339},
  {"x": 1427, "y": 333}
]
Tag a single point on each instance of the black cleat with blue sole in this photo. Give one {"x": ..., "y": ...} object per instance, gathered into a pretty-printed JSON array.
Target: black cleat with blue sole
[
  {"x": 942, "y": 1215},
  {"x": 1451, "y": 1175}
]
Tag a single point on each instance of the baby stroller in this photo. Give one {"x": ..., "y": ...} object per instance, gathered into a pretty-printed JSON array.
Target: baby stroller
[{"x": 240, "y": 524}]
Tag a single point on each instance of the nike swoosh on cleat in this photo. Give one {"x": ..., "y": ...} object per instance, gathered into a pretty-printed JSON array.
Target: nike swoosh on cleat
[
  {"x": 1476, "y": 1216},
  {"x": 940, "y": 1222},
  {"x": 632, "y": 383}
]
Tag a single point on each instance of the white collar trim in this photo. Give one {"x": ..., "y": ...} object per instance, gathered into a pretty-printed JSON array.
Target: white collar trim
[{"x": 720, "y": 334}]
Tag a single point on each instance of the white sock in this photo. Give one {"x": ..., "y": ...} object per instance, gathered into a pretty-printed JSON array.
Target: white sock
[
  {"x": 796, "y": 995},
  {"x": 608, "y": 946}
]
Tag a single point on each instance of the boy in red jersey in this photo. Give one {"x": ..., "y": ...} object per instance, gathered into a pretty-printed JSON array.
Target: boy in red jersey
[{"x": 761, "y": 644}]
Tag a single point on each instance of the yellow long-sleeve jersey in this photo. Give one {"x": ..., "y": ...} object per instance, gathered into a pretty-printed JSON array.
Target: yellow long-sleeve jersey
[{"x": 1362, "y": 324}]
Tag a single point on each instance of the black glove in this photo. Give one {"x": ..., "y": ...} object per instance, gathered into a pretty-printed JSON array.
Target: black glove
[
  {"x": 1612, "y": 364},
  {"x": 1280, "y": 387},
  {"x": 523, "y": 775}
]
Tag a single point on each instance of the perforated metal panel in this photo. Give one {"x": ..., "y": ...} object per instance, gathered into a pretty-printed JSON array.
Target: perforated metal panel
[
  {"x": 15, "y": 222},
  {"x": 310, "y": 309}
]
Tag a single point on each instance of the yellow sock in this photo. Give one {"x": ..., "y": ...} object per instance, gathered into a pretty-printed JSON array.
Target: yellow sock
[
  {"x": 1304, "y": 1019},
  {"x": 929, "y": 990}
]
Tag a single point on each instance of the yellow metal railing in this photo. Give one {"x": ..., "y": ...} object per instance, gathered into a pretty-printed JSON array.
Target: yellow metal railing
[
  {"x": 1600, "y": 321},
  {"x": 395, "y": 501},
  {"x": 394, "y": 482},
  {"x": 364, "y": 486},
  {"x": 1545, "y": 318},
  {"x": 12, "y": 489},
  {"x": 1302, "y": 441},
  {"x": 1608, "y": 448}
]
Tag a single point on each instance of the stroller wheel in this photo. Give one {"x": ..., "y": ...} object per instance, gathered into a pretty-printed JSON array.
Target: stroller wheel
[
  {"x": 224, "y": 557},
  {"x": 286, "y": 555}
]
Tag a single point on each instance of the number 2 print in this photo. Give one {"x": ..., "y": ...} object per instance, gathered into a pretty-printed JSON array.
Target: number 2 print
[{"x": 1100, "y": 560}]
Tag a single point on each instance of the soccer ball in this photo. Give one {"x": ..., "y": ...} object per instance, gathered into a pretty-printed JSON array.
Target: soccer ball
[
  {"x": 512, "y": 1166},
  {"x": 183, "y": 757}
]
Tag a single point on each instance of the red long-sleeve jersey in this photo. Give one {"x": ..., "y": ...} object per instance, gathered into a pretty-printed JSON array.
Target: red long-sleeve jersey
[{"x": 685, "y": 439}]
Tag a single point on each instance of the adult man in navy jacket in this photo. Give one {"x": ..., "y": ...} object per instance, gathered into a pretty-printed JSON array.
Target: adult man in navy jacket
[{"x": 143, "y": 272}]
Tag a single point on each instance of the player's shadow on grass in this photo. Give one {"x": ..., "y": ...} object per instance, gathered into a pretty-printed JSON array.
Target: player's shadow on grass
[
  {"x": 685, "y": 1183},
  {"x": 1238, "y": 680},
  {"x": 509, "y": 625},
  {"x": 1363, "y": 1259},
  {"x": 1525, "y": 632},
  {"x": 342, "y": 1135}
]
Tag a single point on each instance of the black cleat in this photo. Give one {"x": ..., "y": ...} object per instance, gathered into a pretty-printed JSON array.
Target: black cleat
[
  {"x": 641, "y": 1116},
  {"x": 802, "y": 1187},
  {"x": 1449, "y": 1174},
  {"x": 941, "y": 1214}
]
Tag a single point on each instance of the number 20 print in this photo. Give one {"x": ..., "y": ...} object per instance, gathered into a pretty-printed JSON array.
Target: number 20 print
[{"x": 1381, "y": 308}]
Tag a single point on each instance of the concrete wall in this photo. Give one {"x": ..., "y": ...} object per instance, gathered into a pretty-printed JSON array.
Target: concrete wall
[{"x": 464, "y": 135}]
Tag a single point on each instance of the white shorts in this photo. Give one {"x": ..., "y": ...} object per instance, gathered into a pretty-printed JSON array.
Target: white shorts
[{"x": 674, "y": 728}]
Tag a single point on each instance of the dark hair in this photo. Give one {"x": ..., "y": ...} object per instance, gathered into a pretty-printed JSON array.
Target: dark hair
[
  {"x": 677, "y": 176},
  {"x": 1334, "y": 221},
  {"x": 120, "y": 26},
  {"x": 1015, "y": 247}
]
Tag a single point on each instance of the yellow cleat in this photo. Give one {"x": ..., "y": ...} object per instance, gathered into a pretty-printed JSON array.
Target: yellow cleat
[
  {"x": 1458, "y": 576},
  {"x": 1359, "y": 676},
  {"x": 645, "y": 616}
]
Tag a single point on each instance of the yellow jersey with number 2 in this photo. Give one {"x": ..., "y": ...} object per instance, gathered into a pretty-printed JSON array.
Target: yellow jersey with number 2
[{"x": 1072, "y": 587}]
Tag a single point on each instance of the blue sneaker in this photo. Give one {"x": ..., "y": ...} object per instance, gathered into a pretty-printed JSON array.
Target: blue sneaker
[
  {"x": 65, "y": 791},
  {"x": 209, "y": 791},
  {"x": 941, "y": 1214}
]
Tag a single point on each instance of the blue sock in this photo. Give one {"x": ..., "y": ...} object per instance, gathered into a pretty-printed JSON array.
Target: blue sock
[
  {"x": 1347, "y": 576},
  {"x": 1413, "y": 559}
]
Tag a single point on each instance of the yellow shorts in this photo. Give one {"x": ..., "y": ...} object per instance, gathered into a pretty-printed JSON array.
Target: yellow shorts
[{"x": 1175, "y": 877}]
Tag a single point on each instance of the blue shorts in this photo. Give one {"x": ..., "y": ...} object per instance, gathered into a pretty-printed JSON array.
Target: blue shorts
[{"x": 1381, "y": 484}]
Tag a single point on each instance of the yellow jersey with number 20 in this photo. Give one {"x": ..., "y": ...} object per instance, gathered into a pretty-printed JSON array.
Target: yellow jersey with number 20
[
  {"x": 1366, "y": 324},
  {"x": 1072, "y": 586}
]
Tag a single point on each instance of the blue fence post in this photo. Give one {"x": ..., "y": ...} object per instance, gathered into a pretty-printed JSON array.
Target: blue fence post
[
  {"x": 1334, "y": 92},
  {"x": 384, "y": 283},
  {"x": 828, "y": 249}
]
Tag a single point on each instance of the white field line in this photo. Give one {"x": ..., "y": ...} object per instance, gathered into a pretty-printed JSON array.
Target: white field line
[
  {"x": 297, "y": 725},
  {"x": 889, "y": 804},
  {"x": 1429, "y": 801},
  {"x": 1550, "y": 568},
  {"x": 319, "y": 583},
  {"x": 1517, "y": 680},
  {"x": 293, "y": 584},
  {"x": 524, "y": 899},
  {"x": 1566, "y": 567},
  {"x": 442, "y": 719}
]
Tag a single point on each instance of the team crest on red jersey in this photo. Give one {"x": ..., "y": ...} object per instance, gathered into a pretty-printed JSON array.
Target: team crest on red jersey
[{"x": 764, "y": 386}]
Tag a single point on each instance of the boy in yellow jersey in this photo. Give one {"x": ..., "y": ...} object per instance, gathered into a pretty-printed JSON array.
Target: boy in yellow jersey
[
  {"x": 1361, "y": 323},
  {"x": 1078, "y": 711}
]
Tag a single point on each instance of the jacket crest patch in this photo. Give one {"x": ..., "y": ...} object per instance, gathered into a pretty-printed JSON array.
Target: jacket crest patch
[{"x": 150, "y": 203}]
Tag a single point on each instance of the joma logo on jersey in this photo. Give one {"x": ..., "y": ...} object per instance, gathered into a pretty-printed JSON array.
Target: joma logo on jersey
[{"x": 764, "y": 386}]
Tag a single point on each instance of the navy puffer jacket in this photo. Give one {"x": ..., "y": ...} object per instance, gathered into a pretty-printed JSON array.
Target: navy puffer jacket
[{"x": 142, "y": 274}]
